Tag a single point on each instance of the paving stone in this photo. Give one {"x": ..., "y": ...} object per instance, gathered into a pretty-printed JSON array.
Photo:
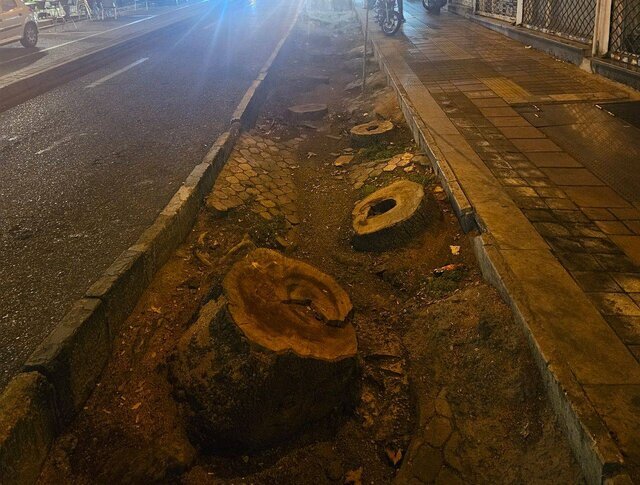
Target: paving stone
[
  {"x": 602, "y": 197},
  {"x": 585, "y": 230},
  {"x": 448, "y": 477},
  {"x": 627, "y": 327},
  {"x": 615, "y": 304},
  {"x": 530, "y": 203},
  {"x": 563, "y": 244},
  {"x": 595, "y": 281},
  {"x": 550, "y": 192},
  {"x": 560, "y": 204},
  {"x": 427, "y": 463},
  {"x": 536, "y": 145},
  {"x": 553, "y": 159},
  {"x": 452, "y": 451},
  {"x": 539, "y": 182},
  {"x": 634, "y": 226},
  {"x": 530, "y": 172},
  {"x": 551, "y": 229},
  {"x": 626, "y": 214},
  {"x": 437, "y": 431},
  {"x": 515, "y": 192},
  {"x": 579, "y": 262},
  {"x": 613, "y": 227},
  {"x": 570, "y": 216},
  {"x": 498, "y": 112},
  {"x": 630, "y": 282},
  {"x": 619, "y": 406},
  {"x": 572, "y": 176},
  {"x": 598, "y": 214},
  {"x": 616, "y": 262},
  {"x": 509, "y": 121},
  {"x": 512, "y": 132},
  {"x": 598, "y": 245},
  {"x": 630, "y": 245},
  {"x": 539, "y": 215}
]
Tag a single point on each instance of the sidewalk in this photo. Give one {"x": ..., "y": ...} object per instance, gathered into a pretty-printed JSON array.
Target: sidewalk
[
  {"x": 60, "y": 45},
  {"x": 553, "y": 183}
]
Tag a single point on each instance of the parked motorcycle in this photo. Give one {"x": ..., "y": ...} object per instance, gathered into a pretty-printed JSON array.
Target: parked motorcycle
[
  {"x": 387, "y": 15},
  {"x": 433, "y": 6}
]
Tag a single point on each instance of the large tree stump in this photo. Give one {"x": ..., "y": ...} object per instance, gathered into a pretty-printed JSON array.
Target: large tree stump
[
  {"x": 370, "y": 133},
  {"x": 277, "y": 351},
  {"x": 389, "y": 217}
]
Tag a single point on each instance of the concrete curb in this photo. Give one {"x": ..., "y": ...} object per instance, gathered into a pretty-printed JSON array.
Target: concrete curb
[
  {"x": 61, "y": 374},
  {"x": 25, "y": 88},
  {"x": 592, "y": 444}
]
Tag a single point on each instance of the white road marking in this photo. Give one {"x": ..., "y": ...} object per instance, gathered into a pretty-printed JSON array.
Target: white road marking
[
  {"x": 117, "y": 73},
  {"x": 57, "y": 143}
]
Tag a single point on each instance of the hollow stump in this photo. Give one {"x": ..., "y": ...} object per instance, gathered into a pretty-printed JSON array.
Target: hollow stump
[
  {"x": 275, "y": 352},
  {"x": 389, "y": 217}
]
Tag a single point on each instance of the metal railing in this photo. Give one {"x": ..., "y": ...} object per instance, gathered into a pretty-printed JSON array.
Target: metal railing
[
  {"x": 574, "y": 19},
  {"x": 502, "y": 9},
  {"x": 624, "y": 37}
]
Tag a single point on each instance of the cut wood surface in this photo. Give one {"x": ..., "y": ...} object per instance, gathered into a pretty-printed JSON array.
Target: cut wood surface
[
  {"x": 389, "y": 216},
  {"x": 277, "y": 351}
]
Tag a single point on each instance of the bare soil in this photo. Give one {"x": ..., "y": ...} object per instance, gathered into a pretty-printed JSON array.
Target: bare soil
[{"x": 449, "y": 391}]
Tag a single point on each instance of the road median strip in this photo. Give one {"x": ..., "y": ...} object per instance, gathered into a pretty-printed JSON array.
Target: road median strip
[{"x": 61, "y": 374}]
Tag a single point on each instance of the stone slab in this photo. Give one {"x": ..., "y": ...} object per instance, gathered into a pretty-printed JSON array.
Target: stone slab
[{"x": 27, "y": 428}]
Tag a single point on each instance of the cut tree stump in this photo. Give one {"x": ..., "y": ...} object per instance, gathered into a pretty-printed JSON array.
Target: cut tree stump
[
  {"x": 389, "y": 217},
  {"x": 307, "y": 112},
  {"x": 274, "y": 353},
  {"x": 372, "y": 132}
]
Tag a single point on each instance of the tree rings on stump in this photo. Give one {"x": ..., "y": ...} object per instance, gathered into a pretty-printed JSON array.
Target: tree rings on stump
[
  {"x": 372, "y": 132},
  {"x": 389, "y": 217},
  {"x": 275, "y": 352},
  {"x": 307, "y": 112}
]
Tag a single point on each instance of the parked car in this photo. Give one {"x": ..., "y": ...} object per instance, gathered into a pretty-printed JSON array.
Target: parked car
[{"x": 17, "y": 23}]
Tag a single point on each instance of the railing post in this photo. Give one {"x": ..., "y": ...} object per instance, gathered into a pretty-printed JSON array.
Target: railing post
[
  {"x": 602, "y": 28},
  {"x": 519, "y": 12}
]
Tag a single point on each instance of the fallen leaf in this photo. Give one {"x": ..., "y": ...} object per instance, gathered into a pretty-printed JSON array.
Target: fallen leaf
[
  {"x": 448, "y": 267},
  {"x": 394, "y": 456},
  {"x": 354, "y": 476},
  {"x": 136, "y": 406},
  {"x": 455, "y": 250},
  {"x": 155, "y": 309}
]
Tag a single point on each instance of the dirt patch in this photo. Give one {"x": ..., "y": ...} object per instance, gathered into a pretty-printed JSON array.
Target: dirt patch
[{"x": 448, "y": 392}]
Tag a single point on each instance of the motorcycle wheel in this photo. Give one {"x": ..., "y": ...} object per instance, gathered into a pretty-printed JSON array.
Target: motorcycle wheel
[
  {"x": 431, "y": 8},
  {"x": 391, "y": 24}
]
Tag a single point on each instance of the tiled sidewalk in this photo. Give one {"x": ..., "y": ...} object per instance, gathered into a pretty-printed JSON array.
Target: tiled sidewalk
[{"x": 523, "y": 136}]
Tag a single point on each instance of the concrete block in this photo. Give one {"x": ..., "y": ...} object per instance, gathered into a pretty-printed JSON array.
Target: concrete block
[
  {"x": 27, "y": 428},
  {"x": 73, "y": 356},
  {"x": 121, "y": 285}
]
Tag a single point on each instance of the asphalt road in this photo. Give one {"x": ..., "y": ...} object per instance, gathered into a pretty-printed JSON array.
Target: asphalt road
[{"x": 85, "y": 168}]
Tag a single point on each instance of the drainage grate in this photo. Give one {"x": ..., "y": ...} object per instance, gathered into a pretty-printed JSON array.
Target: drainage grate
[{"x": 628, "y": 111}]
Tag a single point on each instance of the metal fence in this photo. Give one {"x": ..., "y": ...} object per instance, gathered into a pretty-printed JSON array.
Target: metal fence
[
  {"x": 574, "y": 19},
  {"x": 502, "y": 9},
  {"x": 624, "y": 40}
]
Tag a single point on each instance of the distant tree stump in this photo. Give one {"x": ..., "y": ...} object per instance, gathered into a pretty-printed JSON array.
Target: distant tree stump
[
  {"x": 389, "y": 217},
  {"x": 307, "y": 112},
  {"x": 277, "y": 351},
  {"x": 372, "y": 132}
]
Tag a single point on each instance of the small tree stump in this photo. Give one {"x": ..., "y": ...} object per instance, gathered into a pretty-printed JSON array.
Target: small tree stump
[
  {"x": 389, "y": 217},
  {"x": 307, "y": 112},
  {"x": 372, "y": 132},
  {"x": 275, "y": 352}
]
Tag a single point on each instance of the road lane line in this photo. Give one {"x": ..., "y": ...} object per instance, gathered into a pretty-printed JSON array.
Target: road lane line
[{"x": 117, "y": 73}]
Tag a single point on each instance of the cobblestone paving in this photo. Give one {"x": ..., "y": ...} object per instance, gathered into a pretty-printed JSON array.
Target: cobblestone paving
[
  {"x": 408, "y": 162},
  {"x": 258, "y": 175},
  {"x": 434, "y": 454}
]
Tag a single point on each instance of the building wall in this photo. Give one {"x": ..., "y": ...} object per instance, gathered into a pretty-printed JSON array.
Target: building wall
[{"x": 461, "y": 6}]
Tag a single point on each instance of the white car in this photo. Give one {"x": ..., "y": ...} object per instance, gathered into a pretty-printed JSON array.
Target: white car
[{"x": 17, "y": 23}]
